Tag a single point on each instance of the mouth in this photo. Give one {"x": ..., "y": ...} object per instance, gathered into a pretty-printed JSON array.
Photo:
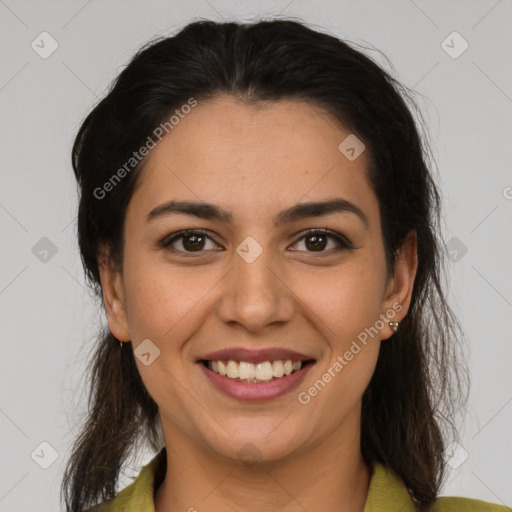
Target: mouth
[{"x": 256, "y": 373}]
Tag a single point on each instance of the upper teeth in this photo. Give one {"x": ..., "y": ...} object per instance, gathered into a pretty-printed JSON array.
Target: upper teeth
[{"x": 255, "y": 372}]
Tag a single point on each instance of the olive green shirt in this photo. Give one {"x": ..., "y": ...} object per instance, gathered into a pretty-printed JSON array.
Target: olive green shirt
[{"x": 386, "y": 493}]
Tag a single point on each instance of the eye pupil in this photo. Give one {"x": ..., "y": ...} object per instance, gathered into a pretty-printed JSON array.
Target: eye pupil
[
  {"x": 193, "y": 242},
  {"x": 318, "y": 241}
]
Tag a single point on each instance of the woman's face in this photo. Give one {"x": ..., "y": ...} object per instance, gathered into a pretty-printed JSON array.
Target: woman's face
[{"x": 254, "y": 280}]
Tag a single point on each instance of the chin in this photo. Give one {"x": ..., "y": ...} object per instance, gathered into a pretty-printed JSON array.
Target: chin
[{"x": 250, "y": 444}]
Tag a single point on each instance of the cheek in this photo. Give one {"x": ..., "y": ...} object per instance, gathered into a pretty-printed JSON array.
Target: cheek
[
  {"x": 160, "y": 298},
  {"x": 160, "y": 306},
  {"x": 346, "y": 303},
  {"x": 346, "y": 309},
  {"x": 345, "y": 300}
]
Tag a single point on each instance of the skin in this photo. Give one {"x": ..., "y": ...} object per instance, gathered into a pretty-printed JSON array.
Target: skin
[{"x": 255, "y": 162}]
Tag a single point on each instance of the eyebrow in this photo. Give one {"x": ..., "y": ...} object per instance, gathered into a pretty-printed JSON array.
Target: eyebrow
[{"x": 289, "y": 215}]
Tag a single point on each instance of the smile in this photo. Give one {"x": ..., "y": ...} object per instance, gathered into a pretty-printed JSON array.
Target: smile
[{"x": 243, "y": 371}]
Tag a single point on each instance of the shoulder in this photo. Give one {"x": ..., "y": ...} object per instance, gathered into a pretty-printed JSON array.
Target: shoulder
[
  {"x": 388, "y": 492},
  {"x": 449, "y": 504},
  {"x": 139, "y": 495},
  {"x": 123, "y": 501}
]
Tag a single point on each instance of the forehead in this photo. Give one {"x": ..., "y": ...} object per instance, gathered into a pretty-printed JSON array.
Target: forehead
[{"x": 254, "y": 160}]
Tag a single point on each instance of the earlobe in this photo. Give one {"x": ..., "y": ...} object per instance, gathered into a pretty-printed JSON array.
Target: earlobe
[
  {"x": 401, "y": 284},
  {"x": 113, "y": 298}
]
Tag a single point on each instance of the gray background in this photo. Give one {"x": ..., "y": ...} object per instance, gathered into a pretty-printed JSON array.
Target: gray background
[{"x": 48, "y": 317}]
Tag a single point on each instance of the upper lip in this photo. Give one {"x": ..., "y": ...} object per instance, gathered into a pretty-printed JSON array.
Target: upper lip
[{"x": 255, "y": 356}]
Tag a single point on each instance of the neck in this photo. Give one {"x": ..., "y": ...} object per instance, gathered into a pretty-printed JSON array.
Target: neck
[{"x": 329, "y": 477}]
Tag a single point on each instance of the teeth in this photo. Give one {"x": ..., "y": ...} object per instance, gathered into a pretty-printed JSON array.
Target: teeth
[
  {"x": 246, "y": 371},
  {"x": 260, "y": 372},
  {"x": 232, "y": 370},
  {"x": 278, "y": 368},
  {"x": 222, "y": 368},
  {"x": 264, "y": 371}
]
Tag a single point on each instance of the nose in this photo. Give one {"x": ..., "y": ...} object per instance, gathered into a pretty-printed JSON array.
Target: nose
[{"x": 256, "y": 294}]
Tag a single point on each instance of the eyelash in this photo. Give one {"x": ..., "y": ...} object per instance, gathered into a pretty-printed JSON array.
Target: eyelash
[{"x": 344, "y": 243}]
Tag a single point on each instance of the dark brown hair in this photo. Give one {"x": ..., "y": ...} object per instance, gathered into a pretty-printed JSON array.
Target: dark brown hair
[{"x": 418, "y": 384}]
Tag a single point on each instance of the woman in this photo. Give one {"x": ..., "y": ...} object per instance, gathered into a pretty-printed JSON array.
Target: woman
[{"x": 257, "y": 214}]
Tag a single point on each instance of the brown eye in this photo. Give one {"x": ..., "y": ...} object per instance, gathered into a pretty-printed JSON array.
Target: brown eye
[
  {"x": 193, "y": 242},
  {"x": 318, "y": 240},
  {"x": 187, "y": 242}
]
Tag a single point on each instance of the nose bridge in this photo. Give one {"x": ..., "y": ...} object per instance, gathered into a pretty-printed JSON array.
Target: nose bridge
[{"x": 256, "y": 295}]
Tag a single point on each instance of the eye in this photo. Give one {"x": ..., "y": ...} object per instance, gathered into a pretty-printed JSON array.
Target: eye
[
  {"x": 196, "y": 241},
  {"x": 316, "y": 240},
  {"x": 190, "y": 241}
]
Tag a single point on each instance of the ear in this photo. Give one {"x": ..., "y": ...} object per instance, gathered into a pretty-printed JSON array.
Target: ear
[
  {"x": 113, "y": 297},
  {"x": 399, "y": 287}
]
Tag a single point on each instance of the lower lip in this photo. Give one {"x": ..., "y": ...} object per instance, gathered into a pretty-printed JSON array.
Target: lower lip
[{"x": 254, "y": 391}]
